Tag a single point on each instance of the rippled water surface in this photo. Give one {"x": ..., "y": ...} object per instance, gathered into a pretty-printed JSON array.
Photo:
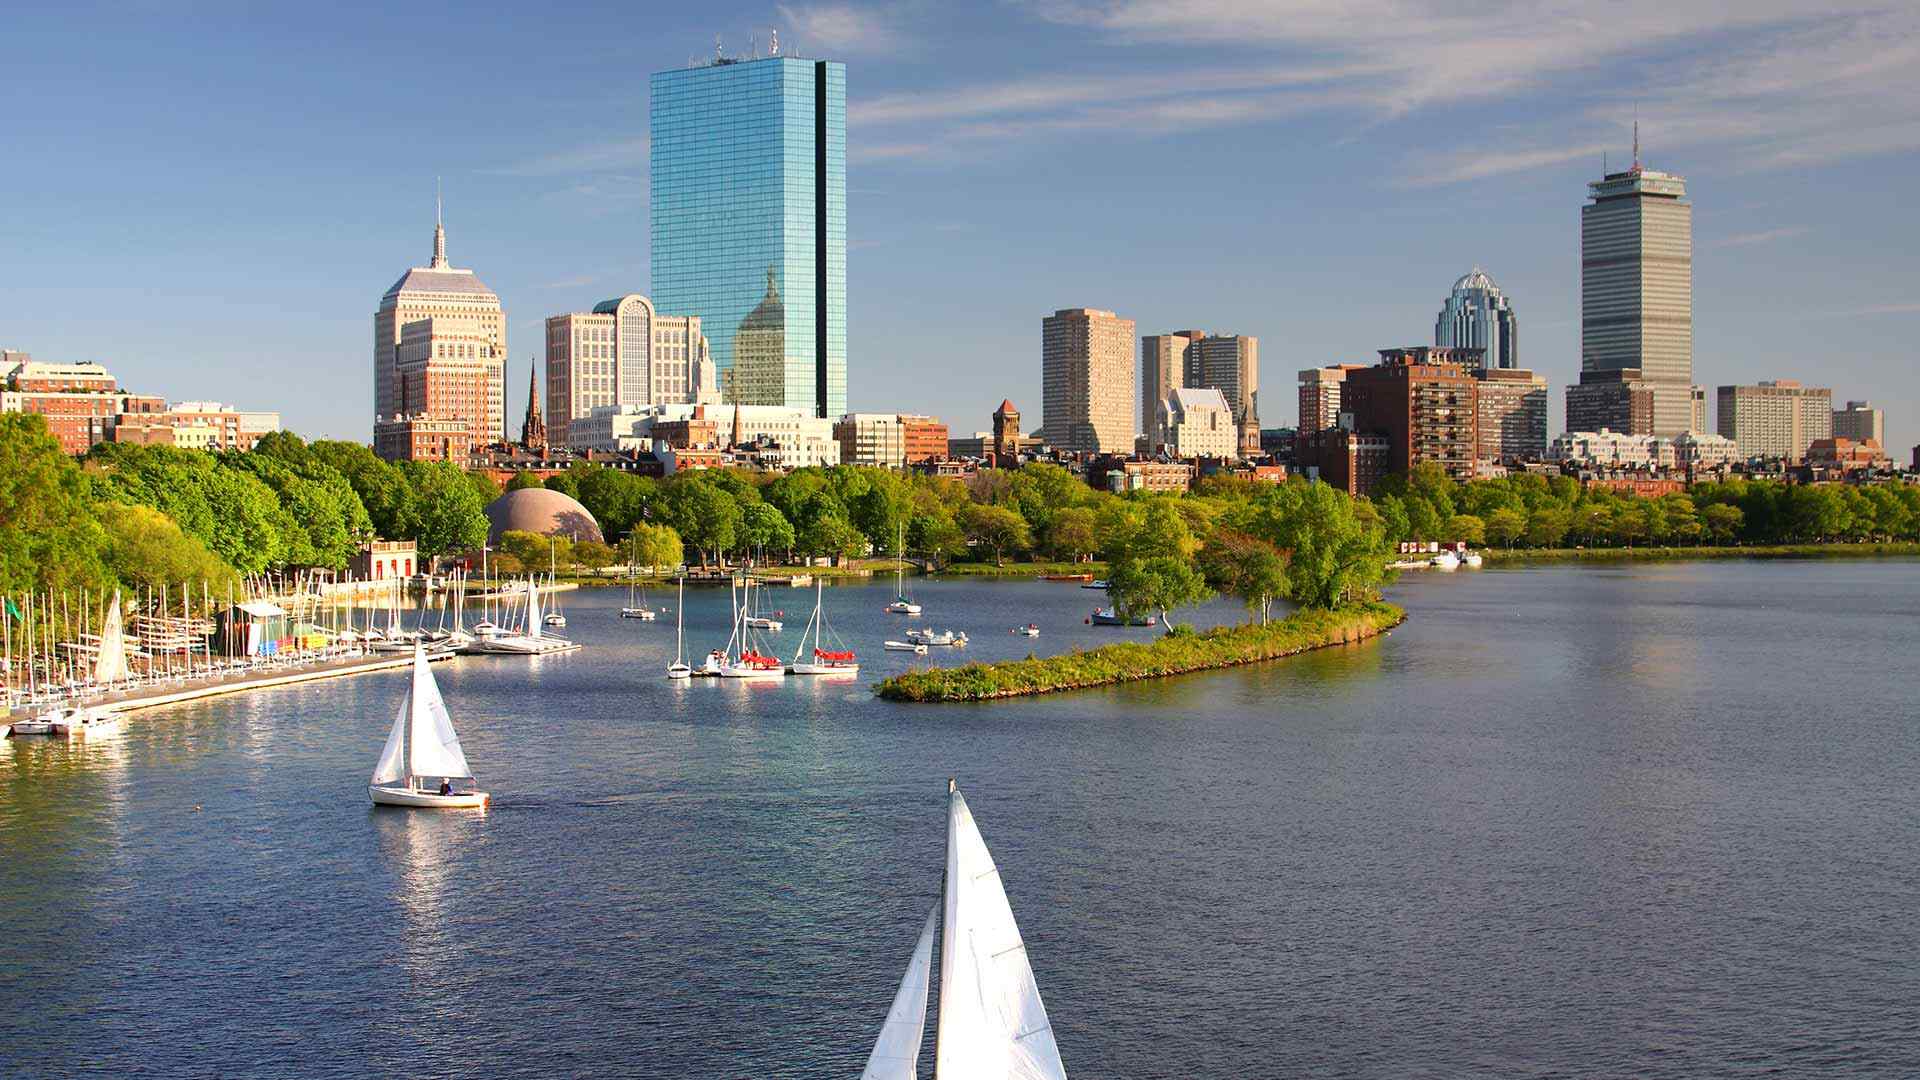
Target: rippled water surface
[{"x": 1638, "y": 821}]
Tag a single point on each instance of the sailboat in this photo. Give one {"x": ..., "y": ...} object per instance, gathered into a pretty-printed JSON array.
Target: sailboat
[
  {"x": 554, "y": 618},
  {"x": 901, "y": 605},
  {"x": 822, "y": 660},
  {"x": 991, "y": 1021},
  {"x": 679, "y": 669},
  {"x": 758, "y": 619},
  {"x": 421, "y": 745},
  {"x": 748, "y": 662},
  {"x": 640, "y": 610}
]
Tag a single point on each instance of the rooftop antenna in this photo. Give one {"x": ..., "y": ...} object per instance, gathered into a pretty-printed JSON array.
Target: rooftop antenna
[
  {"x": 718, "y": 52},
  {"x": 753, "y": 44},
  {"x": 773, "y": 41},
  {"x": 1636, "y": 136}
]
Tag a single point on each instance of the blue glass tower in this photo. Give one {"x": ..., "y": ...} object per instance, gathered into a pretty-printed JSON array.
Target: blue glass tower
[{"x": 749, "y": 199}]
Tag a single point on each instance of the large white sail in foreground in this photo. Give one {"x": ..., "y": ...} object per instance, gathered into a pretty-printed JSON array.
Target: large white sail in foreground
[
  {"x": 436, "y": 749},
  {"x": 393, "y": 758},
  {"x": 992, "y": 1022},
  {"x": 897, "y": 1052}
]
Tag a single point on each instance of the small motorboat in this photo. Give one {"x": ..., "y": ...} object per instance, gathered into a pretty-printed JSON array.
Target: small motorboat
[
  {"x": 1097, "y": 583},
  {"x": 1446, "y": 560},
  {"x": 762, "y": 622},
  {"x": 1473, "y": 560},
  {"x": 1108, "y": 617},
  {"x": 906, "y": 646},
  {"x": 715, "y": 662},
  {"x": 88, "y": 723},
  {"x": 1029, "y": 630},
  {"x": 644, "y": 614},
  {"x": 555, "y": 619},
  {"x": 930, "y": 637},
  {"x": 41, "y": 724}
]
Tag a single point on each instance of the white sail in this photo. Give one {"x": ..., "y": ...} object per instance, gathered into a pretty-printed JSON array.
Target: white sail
[
  {"x": 111, "y": 663},
  {"x": 992, "y": 1023},
  {"x": 393, "y": 765},
  {"x": 436, "y": 749},
  {"x": 897, "y": 1052}
]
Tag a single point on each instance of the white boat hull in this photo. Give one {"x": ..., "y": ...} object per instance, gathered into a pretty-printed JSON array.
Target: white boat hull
[
  {"x": 826, "y": 669},
  {"x": 765, "y": 624},
  {"x": 742, "y": 671},
  {"x": 386, "y": 795},
  {"x": 93, "y": 727},
  {"x": 898, "y": 608},
  {"x": 643, "y": 614},
  {"x": 679, "y": 671},
  {"x": 902, "y": 646}
]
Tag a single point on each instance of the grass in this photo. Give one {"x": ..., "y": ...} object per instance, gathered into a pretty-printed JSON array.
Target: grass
[
  {"x": 1022, "y": 569},
  {"x": 1757, "y": 551},
  {"x": 1174, "y": 654}
]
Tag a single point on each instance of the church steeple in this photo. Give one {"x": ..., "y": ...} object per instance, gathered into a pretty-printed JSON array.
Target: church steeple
[
  {"x": 533, "y": 430},
  {"x": 439, "y": 231}
]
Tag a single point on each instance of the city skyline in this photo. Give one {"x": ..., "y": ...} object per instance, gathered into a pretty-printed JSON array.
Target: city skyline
[{"x": 961, "y": 179}]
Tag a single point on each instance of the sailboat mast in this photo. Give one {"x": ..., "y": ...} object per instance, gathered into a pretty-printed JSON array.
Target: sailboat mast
[{"x": 680, "y": 623}]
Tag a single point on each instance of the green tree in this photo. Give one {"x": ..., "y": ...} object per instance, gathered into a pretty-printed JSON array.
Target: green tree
[
  {"x": 1468, "y": 528},
  {"x": 703, "y": 515},
  {"x": 146, "y": 549},
  {"x": 827, "y": 532},
  {"x": 1246, "y": 566},
  {"x": 1506, "y": 525},
  {"x": 1723, "y": 521},
  {"x": 1548, "y": 527},
  {"x": 1070, "y": 535},
  {"x": 1335, "y": 554},
  {"x": 762, "y": 528},
  {"x": 998, "y": 528},
  {"x": 655, "y": 546},
  {"x": 1158, "y": 584},
  {"x": 523, "y": 480},
  {"x": 452, "y": 514},
  {"x": 1629, "y": 524}
]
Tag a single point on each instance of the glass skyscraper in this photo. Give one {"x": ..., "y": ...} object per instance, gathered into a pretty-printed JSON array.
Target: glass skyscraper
[
  {"x": 749, "y": 200},
  {"x": 1477, "y": 315}
]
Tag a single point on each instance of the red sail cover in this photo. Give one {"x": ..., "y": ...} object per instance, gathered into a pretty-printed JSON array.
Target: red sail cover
[{"x": 825, "y": 655}]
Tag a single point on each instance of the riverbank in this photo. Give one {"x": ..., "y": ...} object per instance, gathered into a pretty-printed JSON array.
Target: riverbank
[
  {"x": 1226, "y": 646},
  {"x": 1654, "y": 554},
  {"x": 1022, "y": 569}
]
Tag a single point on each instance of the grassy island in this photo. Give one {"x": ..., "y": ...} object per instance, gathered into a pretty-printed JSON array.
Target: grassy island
[{"x": 1175, "y": 654}]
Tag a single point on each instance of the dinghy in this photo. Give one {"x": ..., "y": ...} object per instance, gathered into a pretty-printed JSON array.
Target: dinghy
[
  {"x": 991, "y": 1021},
  {"x": 421, "y": 747},
  {"x": 91, "y": 723}
]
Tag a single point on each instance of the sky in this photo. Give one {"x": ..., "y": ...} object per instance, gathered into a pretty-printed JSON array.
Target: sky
[{"x": 210, "y": 198}]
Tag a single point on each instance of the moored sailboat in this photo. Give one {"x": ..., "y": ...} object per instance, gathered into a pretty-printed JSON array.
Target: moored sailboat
[
  {"x": 743, "y": 658},
  {"x": 902, "y": 605},
  {"x": 990, "y": 1021},
  {"x": 679, "y": 669},
  {"x": 421, "y": 746},
  {"x": 814, "y": 656}
]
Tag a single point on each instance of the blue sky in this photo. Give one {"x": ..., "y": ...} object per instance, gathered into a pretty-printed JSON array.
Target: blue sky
[{"x": 210, "y": 198}]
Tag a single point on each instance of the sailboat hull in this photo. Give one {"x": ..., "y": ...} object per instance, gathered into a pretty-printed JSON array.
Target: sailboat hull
[
  {"x": 828, "y": 670},
  {"x": 643, "y": 614},
  {"x": 745, "y": 671},
  {"x": 384, "y": 795}
]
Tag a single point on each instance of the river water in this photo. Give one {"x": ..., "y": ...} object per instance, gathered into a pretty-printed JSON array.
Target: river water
[{"x": 1658, "y": 820}]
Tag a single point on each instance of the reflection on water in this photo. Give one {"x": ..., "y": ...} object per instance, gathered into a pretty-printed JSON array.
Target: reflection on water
[{"x": 1566, "y": 821}]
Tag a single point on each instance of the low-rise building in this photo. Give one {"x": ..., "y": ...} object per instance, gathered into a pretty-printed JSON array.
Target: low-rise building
[
  {"x": 780, "y": 437},
  {"x": 1350, "y": 460},
  {"x": 80, "y": 419},
  {"x": 383, "y": 560},
  {"x": 1198, "y": 423},
  {"x": 1606, "y": 449},
  {"x": 421, "y": 437},
  {"x": 889, "y": 440},
  {"x": 1703, "y": 450},
  {"x": 1846, "y": 455},
  {"x": 1163, "y": 477},
  {"x": 41, "y": 377}
]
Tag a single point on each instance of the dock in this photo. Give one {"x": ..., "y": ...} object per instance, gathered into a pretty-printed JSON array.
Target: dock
[{"x": 172, "y": 692}]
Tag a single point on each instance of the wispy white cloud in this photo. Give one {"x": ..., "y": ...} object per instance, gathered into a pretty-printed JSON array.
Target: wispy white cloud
[
  {"x": 1764, "y": 236},
  {"x": 844, "y": 29},
  {"x": 1760, "y": 84}
]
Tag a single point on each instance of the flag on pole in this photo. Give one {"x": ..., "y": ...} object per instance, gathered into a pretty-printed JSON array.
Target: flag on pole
[{"x": 13, "y": 611}]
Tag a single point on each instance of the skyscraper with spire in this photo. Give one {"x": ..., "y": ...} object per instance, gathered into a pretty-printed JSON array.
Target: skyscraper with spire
[
  {"x": 1636, "y": 296},
  {"x": 453, "y": 333}
]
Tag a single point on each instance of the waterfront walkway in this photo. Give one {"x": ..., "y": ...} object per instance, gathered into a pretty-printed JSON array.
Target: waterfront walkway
[{"x": 234, "y": 681}]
